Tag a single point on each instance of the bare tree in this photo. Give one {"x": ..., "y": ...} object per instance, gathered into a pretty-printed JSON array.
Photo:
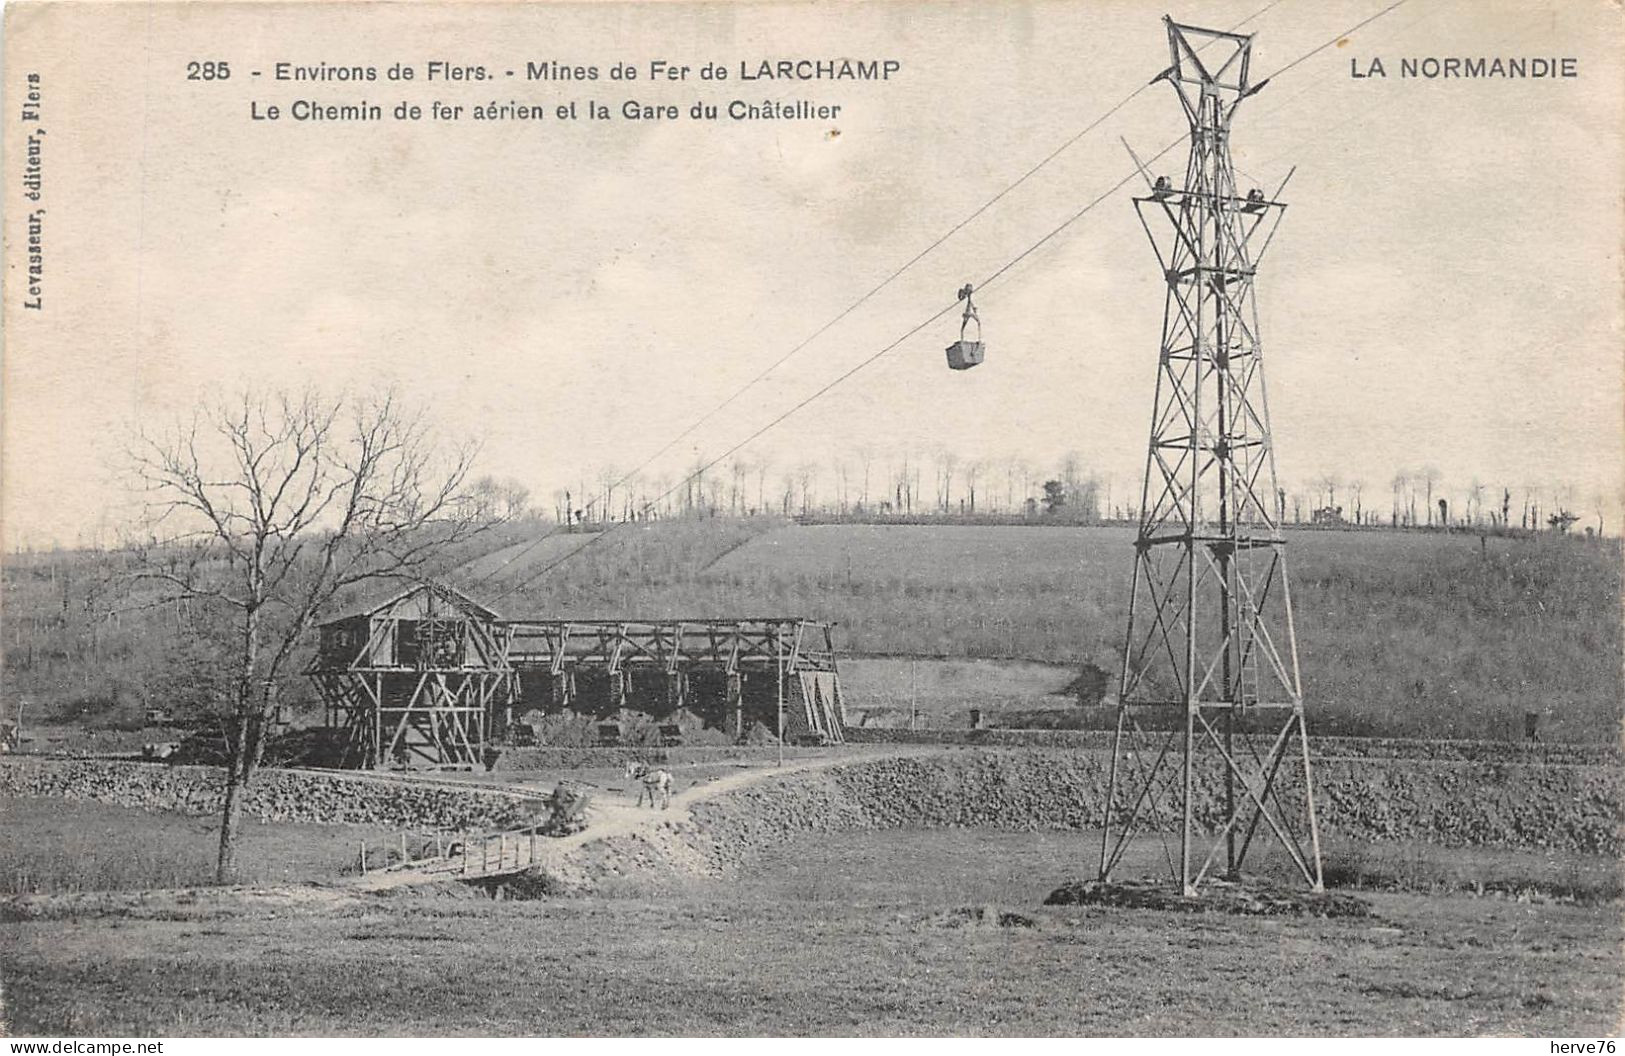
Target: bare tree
[
  {"x": 947, "y": 462},
  {"x": 633, "y": 503},
  {"x": 607, "y": 478},
  {"x": 1400, "y": 482},
  {"x": 268, "y": 506},
  {"x": 738, "y": 470},
  {"x": 1329, "y": 483},
  {"x": 509, "y": 498},
  {"x": 807, "y": 477},
  {"x": 694, "y": 485},
  {"x": 1072, "y": 475},
  {"x": 657, "y": 496},
  {"x": 866, "y": 459},
  {"x": 1531, "y": 506},
  {"x": 787, "y": 487},
  {"x": 1429, "y": 476},
  {"x": 1563, "y": 498},
  {"x": 712, "y": 494},
  {"x": 973, "y": 470},
  {"x": 762, "y": 467},
  {"x": 843, "y": 471}
]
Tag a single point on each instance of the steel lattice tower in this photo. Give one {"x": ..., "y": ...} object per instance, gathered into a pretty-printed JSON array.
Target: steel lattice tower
[{"x": 1210, "y": 661}]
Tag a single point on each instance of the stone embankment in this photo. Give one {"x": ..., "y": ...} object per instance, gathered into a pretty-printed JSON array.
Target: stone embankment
[
  {"x": 1565, "y": 809},
  {"x": 328, "y": 797},
  {"x": 1532, "y": 752}
]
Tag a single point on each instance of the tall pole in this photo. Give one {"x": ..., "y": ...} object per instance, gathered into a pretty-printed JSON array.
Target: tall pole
[
  {"x": 913, "y": 695},
  {"x": 778, "y": 654},
  {"x": 1210, "y": 654}
]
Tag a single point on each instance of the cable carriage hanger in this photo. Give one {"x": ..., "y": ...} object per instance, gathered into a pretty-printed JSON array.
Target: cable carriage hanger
[{"x": 963, "y": 354}]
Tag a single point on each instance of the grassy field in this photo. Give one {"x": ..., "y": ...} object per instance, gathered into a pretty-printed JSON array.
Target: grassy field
[
  {"x": 832, "y": 935},
  {"x": 57, "y": 845}
]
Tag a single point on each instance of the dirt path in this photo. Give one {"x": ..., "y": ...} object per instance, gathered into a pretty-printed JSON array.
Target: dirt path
[{"x": 612, "y": 816}]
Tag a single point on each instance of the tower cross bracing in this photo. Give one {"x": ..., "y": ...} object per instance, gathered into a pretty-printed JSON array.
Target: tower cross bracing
[{"x": 1210, "y": 722}]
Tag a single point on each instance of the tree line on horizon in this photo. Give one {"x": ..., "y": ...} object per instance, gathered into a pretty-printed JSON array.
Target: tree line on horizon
[
  {"x": 943, "y": 484},
  {"x": 909, "y": 484}
]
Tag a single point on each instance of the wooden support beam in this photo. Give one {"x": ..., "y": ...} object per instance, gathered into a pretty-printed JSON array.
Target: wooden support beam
[{"x": 736, "y": 702}]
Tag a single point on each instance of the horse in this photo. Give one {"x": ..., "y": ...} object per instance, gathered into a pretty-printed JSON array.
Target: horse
[{"x": 653, "y": 781}]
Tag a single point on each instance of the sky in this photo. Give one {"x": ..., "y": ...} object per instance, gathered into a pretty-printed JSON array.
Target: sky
[{"x": 1445, "y": 289}]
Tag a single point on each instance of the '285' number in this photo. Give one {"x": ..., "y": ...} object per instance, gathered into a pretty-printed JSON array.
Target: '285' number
[{"x": 208, "y": 71}]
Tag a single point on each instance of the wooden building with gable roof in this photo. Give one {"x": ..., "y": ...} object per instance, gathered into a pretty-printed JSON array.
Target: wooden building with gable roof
[
  {"x": 427, "y": 676},
  {"x": 413, "y": 678}
]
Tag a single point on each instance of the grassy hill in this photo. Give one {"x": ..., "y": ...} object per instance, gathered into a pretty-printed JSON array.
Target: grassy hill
[{"x": 1403, "y": 634}]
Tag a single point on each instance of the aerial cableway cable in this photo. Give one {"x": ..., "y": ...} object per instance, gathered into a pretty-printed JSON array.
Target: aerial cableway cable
[
  {"x": 862, "y": 300},
  {"x": 1311, "y": 53},
  {"x": 994, "y": 276},
  {"x": 946, "y": 309},
  {"x": 921, "y": 255}
]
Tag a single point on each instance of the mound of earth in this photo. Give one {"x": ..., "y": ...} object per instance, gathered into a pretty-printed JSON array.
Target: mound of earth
[
  {"x": 531, "y": 884},
  {"x": 760, "y": 736},
  {"x": 1249, "y": 898}
]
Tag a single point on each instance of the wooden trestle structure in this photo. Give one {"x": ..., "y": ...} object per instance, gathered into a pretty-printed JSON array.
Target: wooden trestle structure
[{"x": 430, "y": 677}]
